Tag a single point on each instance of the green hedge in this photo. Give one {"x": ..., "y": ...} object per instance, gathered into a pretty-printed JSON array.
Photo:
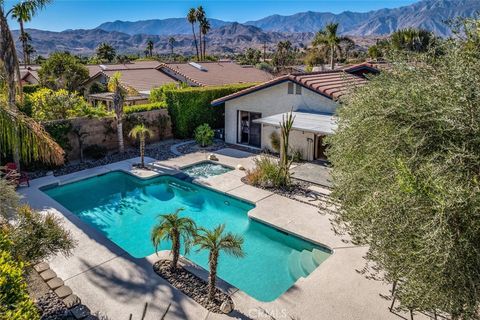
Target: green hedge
[
  {"x": 144, "y": 107},
  {"x": 190, "y": 107},
  {"x": 30, "y": 88}
]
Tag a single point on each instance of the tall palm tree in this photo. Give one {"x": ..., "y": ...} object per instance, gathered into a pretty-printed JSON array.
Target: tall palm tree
[
  {"x": 150, "y": 47},
  {"x": 141, "y": 132},
  {"x": 22, "y": 13},
  {"x": 204, "y": 28},
  {"x": 18, "y": 133},
  {"x": 119, "y": 94},
  {"x": 192, "y": 19},
  {"x": 171, "y": 43},
  {"x": 201, "y": 16},
  {"x": 174, "y": 228},
  {"x": 329, "y": 39},
  {"x": 216, "y": 241}
]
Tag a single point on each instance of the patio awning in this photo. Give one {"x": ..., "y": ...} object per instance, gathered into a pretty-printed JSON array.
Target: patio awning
[{"x": 304, "y": 121}]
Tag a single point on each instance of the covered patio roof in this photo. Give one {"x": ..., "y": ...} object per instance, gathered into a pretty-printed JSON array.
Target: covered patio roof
[{"x": 304, "y": 121}]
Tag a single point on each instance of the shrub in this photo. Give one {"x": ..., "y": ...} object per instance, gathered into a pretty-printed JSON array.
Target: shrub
[
  {"x": 275, "y": 141},
  {"x": 97, "y": 87},
  {"x": 144, "y": 107},
  {"x": 190, "y": 107},
  {"x": 266, "y": 172},
  {"x": 30, "y": 88},
  {"x": 48, "y": 104},
  {"x": 95, "y": 151},
  {"x": 15, "y": 303},
  {"x": 204, "y": 135},
  {"x": 59, "y": 130},
  {"x": 158, "y": 94}
]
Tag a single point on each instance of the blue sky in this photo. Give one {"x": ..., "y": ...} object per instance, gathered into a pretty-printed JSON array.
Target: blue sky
[{"x": 77, "y": 14}]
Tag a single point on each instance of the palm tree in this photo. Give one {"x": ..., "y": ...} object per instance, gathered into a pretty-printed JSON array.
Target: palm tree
[
  {"x": 204, "y": 28},
  {"x": 22, "y": 12},
  {"x": 119, "y": 94},
  {"x": 171, "y": 43},
  {"x": 201, "y": 16},
  {"x": 216, "y": 241},
  {"x": 174, "y": 228},
  {"x": 18, "y": 133},
  {"x": 192, "y": 19},
  {"x": 106, "y": 52},
  {"x": 328, "y": 38},
  {"x": 141, "y": 132},
  {"x": 150, "y": 47},
  {"x": 411, "y": 39}
]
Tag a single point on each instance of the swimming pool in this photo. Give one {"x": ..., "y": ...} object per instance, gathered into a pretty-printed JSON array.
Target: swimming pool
[
  {"x": 125, "y": 208},
  {"x": 205, "y": 169}
]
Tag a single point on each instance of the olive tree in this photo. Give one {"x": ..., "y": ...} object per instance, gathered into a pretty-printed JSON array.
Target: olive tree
[{"x": 406, "y": 163}]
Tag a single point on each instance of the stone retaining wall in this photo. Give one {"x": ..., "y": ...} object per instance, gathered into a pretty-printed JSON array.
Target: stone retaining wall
[{"x": 103, "y": 131}]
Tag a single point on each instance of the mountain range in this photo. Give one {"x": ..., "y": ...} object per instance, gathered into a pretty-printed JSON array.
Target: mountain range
[{"x": 233, "y": 37}]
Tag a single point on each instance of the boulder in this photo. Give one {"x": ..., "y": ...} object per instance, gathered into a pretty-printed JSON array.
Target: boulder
[
  {"x": 227, "y": 306},
  {"x": 240, "y": 167},
  {"x": 212, "y": 157}
]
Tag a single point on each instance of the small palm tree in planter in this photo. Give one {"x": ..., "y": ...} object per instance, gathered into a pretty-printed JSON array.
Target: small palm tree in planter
[
  {"x": 141, "y": 132},
  {"x": 174, "y": 228},
  {"x": 215, "y": 241}
]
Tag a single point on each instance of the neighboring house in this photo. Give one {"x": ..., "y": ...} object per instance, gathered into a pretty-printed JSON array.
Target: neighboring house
[
  {"x": 214, "y": 73},
  {"x": 29, "y": 74},
  {"x": 143, "y": 76},
  {"x": 251, "y": 115}
]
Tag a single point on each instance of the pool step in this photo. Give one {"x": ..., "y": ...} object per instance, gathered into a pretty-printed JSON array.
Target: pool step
[
  {"x": 319, "y": 256},
  {"x": 306, "y": 261},
  {"x": 181, "y": 187},
  {"x": 296, "y": 270}
]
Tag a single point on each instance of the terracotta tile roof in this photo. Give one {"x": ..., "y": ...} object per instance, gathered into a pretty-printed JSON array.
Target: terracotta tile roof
[
  {"x": 217, "y": 73},
  {"x": 331, "y": 84},
  {"x": 141, "y": 79},
  {"x": 93, "y": 69}
]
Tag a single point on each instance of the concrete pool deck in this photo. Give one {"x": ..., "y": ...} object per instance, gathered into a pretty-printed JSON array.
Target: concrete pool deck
[{"x": 112, "y": 282}]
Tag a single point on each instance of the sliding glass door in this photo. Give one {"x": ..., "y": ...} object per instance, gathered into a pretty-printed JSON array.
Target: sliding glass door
[{"x": 249, "y": 133}]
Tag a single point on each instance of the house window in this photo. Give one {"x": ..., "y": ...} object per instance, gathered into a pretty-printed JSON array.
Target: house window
[
  {"x": 290, "y": 88},
  {"x": 298, "y": 89}
]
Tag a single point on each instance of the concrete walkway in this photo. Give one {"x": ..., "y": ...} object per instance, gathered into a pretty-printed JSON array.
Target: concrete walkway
[
  {"x": 109, "y": 280},
  {"x": 313, "y": 172}
]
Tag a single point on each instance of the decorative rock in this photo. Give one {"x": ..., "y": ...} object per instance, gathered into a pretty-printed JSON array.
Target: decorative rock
[
  {"x": 212, "y": 157},
  {"x": 42, "y": 266},
  {"x": 48, "y": 274},
  {"x": 63, "y": 292},
  {"x": 227, "y": 306},
  {"x": 80, "y": 312},
  {"x": 55, "y": 283},
  {"x": 72, "y": 301},
  {"x": 240, "y": 167}
]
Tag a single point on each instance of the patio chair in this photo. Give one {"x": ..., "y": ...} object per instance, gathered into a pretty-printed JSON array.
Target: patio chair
[{"x": 11, "y": 173}]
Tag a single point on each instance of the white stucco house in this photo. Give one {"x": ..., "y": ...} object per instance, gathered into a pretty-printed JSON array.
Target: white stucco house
[{"x": 251, "y": 115}]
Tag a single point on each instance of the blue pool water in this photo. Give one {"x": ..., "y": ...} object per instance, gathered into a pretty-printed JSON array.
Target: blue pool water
[
  {"x": 125, "y": 208},
  {"x": 205, "y": 169}
]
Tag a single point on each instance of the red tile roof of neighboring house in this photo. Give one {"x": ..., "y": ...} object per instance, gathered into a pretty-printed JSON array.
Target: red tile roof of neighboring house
[
  {"x": 93, "y": 69},
  {"x": 217, "y": 73},
  {"x": 331, "y": 84},
  {"x": 141, "y": 79}
]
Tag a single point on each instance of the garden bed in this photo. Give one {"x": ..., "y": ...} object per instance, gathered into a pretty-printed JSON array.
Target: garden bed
[
  {"x": 191, "y": 285},
  {"x": 158, "y": 151}
]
